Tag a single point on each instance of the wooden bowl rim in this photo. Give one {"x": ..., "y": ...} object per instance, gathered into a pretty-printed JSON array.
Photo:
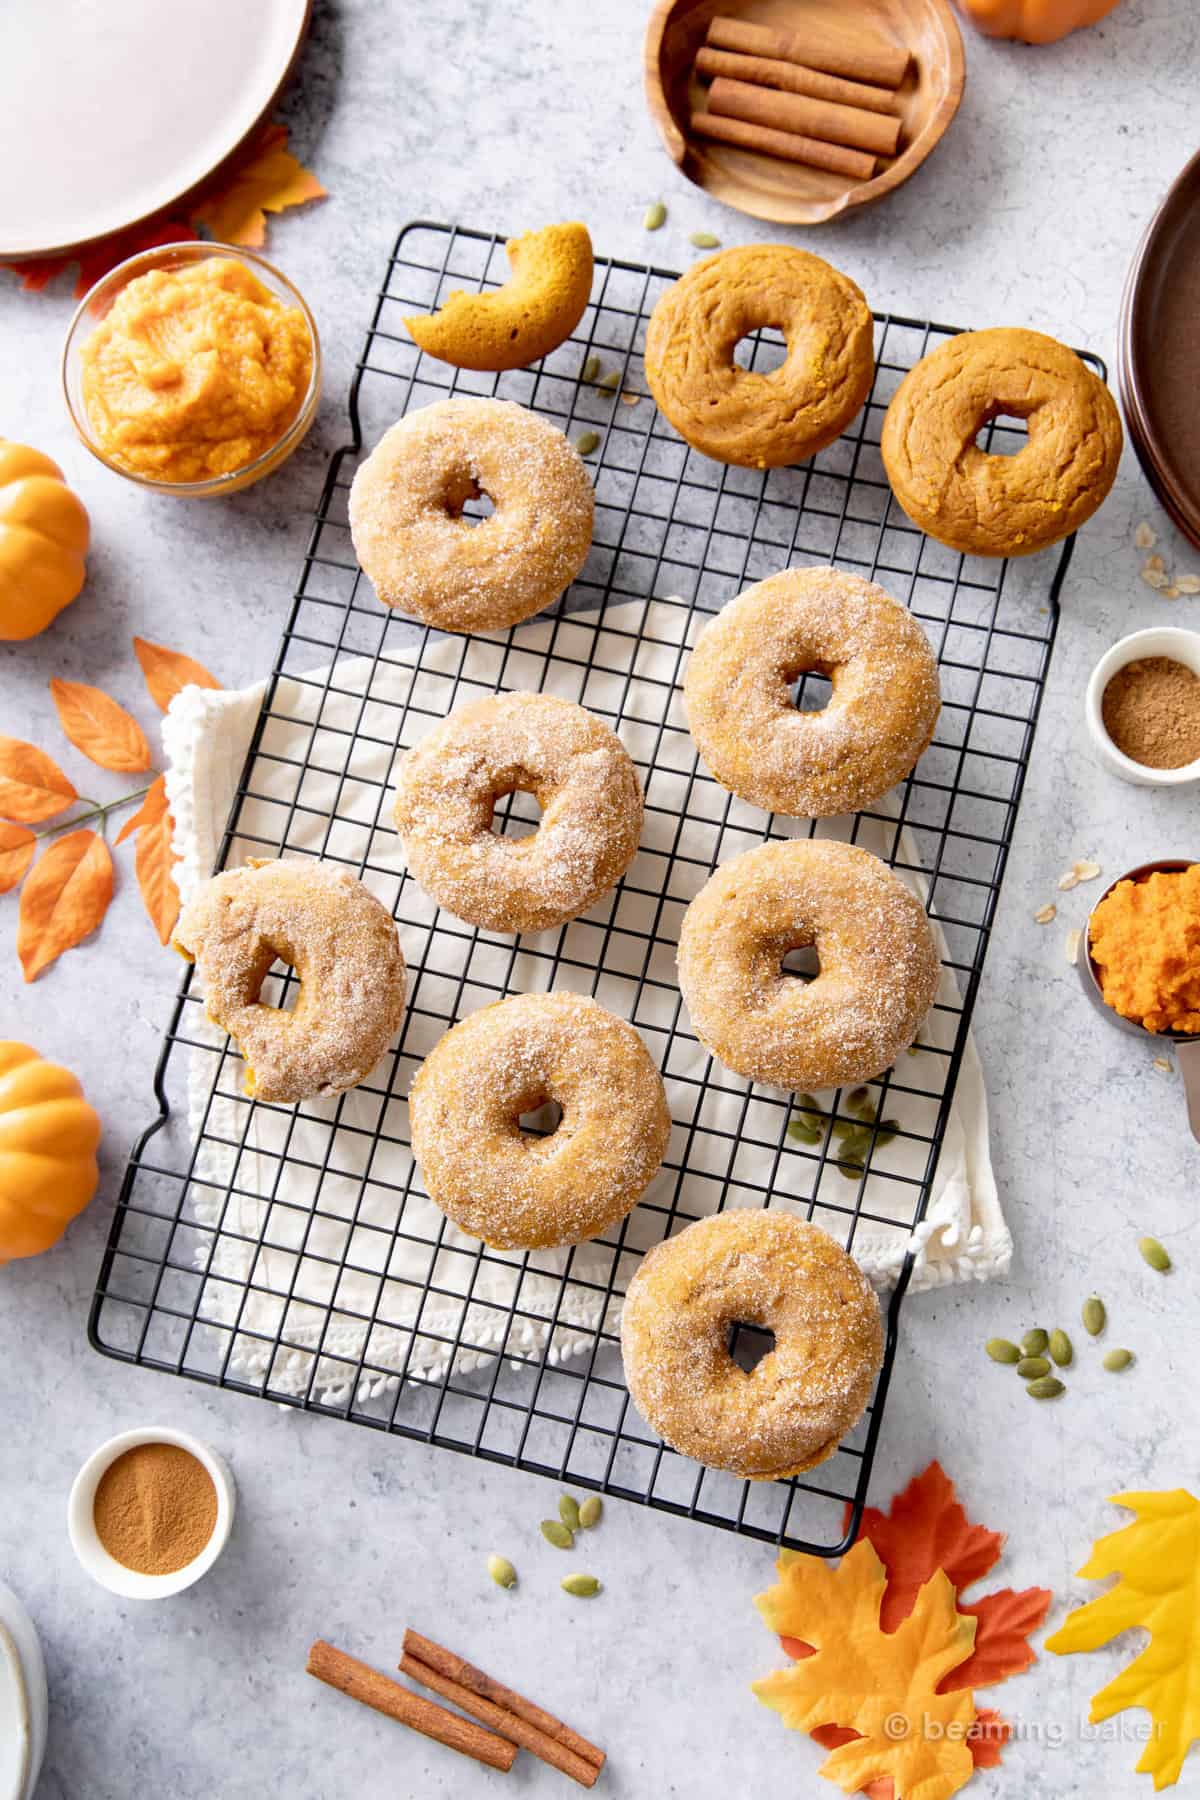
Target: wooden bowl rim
[{"x": 809, "y": 212}]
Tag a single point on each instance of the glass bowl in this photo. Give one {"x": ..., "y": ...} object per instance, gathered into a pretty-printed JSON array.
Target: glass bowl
[{"x": 97, "y": 302}]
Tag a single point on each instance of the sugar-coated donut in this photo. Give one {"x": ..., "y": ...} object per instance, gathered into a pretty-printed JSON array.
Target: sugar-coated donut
[
  {"x": 581, "y": 776},
  {"x": 771, "y": 1270},
  {"x": 344, "y": 948},
  {"x": 538, "y": 307},
  {"x": 988, "y": 505},
  {"x": 880, "y": 716},
  {"x": 878, "y": 964},
  {"x": 420, "y": 552},
  {"x": 514, "y": 1189},
  {"x": 761, "y": 420}
]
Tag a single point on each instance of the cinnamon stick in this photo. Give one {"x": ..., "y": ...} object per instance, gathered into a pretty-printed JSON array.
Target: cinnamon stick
[
  {"x": 507, "y": 1724},
  {"x": 847, "y": 125},
  {"x": 860, "y": 57},
  {"x": 361, "y": 1682},
  {"x": 455, "y": 1668},
  {"x": 793, "y": 79},
  {"x": 784, "y": 145}
]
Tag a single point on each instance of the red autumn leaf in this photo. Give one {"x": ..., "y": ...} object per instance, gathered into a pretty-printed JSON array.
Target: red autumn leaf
[
  {"x": 1004, "y": 1621},
  {"x": 17, "y": 845},
  {"x": 989, "y": 1734},
  {"x": 101, "y": 728},
  {"x": 100, "y": 257},
  {"x": 32, "y": 786},
  {"x": 168, "y": 671},
  {"x": 63, "y": 900},
  {"x": 39, "y": 271},
  {"x": 926, "y": 1529},
  {"x": 268, "y": 181},
  {"x": 154, "y": 865},
  {"x": 154, "y": 805}
]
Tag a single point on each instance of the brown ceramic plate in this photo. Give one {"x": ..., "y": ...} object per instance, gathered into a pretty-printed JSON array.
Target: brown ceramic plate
[
  {"x": 1159, "y": 361},
  {"x": 789, "y": 193}
]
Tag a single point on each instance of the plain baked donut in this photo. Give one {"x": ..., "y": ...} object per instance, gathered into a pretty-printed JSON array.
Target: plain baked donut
[
  {"x": 761, "y": 420},
  {"x": 581, "y": 776},
  {"x": 880, "y": 716},
  {"x": 420, "y": 552},
  {"x": 987, "y": 505},
  {"x": 509, "y": 1187},
  {"x": 878, "y": 965},
  {"x": 344, "y": 948},
  {"x": 771, "y": 1270}
]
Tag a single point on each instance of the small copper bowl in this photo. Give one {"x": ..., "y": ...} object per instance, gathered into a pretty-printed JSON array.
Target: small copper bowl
[{"x": 1187, "y": 1043}]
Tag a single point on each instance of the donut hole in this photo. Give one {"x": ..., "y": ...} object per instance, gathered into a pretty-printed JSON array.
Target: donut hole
[
  {"x": 540, "y": 1119},
  {"x": 748, "y": 1343},
  {"x": 465, "y": 501},
  {"x": 280, "y": 986},
  {"x": 801, "y": 962},
  {"x": 811, "y": 691},
  {"x": 761, "y": 351},
  {"x": 1002, "y": 434},
  {"x": 515, "y": 813}
]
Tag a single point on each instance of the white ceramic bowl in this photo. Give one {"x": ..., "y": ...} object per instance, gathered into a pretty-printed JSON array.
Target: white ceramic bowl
[
  {"x": 91, "y": 1552},
  {"x": 24, "y": 1704},
  {"x": 1160, "y": 640}
]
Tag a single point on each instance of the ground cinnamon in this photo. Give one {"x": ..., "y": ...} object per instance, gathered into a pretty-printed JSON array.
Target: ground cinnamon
[
  {"x": 155, "y": 1508},
  {"x": 1151, "y": 711}
]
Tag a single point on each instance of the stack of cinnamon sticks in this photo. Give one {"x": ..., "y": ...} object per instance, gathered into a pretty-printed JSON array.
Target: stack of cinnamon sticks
[
  {"x": 806, "y": 96},
  {"x": 508, "y": 1721}
]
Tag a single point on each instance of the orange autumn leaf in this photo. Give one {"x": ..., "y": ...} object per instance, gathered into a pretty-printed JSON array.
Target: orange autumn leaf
[
  {"x": 63, "y": 900},
  {"x": 32, "y": 786},
  {"x": 101, "y": 728},
  {"x": 168, "y": 671},
  {"x": 154, "y": 865},
  {"x": 100, "y": 257},
  {"x": 269, "y": 181},
  {"x": 17, "y": 845},
  {"x": 154, "y": 805}
]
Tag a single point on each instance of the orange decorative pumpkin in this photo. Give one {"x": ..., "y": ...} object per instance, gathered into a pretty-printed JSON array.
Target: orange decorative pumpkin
[
  {"x": 48, "y": 1138},
  {"x": 1034, "y": 21},
  {"x": 43, "y": 538}
]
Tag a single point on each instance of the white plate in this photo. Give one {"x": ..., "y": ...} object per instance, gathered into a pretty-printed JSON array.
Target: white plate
[
  {"x": 113, "y": 109},
  {"x": 23, "y": 1706}
]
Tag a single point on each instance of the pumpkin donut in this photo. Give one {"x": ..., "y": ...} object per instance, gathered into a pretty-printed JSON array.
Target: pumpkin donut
[
  {"x": 343, "y": 946},
  {"x": 515, "y": 1190},
  {"x": 768, "y": 1269},
  {"x": 986, "y": 505},
  {"x": 880, "y": 716},
  {"x": 531, "y": 315},
  {"x": 406, "y": 514},
  {"x": 581, "y": 776},
  {"x": 878, "y": 964},
  {"x": 761, "y": 420}
]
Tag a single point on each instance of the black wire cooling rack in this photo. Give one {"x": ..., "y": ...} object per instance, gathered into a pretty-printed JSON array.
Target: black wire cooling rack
[{"x": 292, "y": 1253}]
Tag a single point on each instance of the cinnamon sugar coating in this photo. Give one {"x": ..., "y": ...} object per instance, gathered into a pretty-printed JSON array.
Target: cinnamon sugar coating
[
  {"x": 425, "y": 558},
  {"x": 579, "y": 772},
  {"x": 878, "y": 964},
  {"x": 345, "y": 950},
  {"x": 880, "y": 717},
  {"x": 771, "y": 1270},
  {"x": 509, "y": 1187}
]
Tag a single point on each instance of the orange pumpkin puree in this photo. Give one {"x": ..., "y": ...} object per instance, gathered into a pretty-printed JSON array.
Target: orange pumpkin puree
[
  {"x": 1145, "y": 941},
  {"x": 194, "y": 372}
]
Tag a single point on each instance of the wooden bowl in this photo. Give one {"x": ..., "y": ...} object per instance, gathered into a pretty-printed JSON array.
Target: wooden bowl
[{"x": 790, "y": 193}]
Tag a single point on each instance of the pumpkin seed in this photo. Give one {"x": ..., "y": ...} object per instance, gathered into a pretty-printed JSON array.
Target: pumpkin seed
[
  {"x": 590, "y": 369},
  {"x": 568, "y": 1512},
  {"x": 1031, "y": 1368},
  {"x": 1061, "y": 1348},
  {"x": 846, "y": 1129},
  {"x": 809, "y": 1105},
  {"x": 1035, "y": 1342},
  {"x": 582, "y": 1586},
  {"x": 501, "y": 1571},
  {"x": 610, "y": 382},
  {"x": 1047, "y": 1387},
  {"x": 1153, "y": 1253},
  {"x": 858, "y": 1097},
  {"x": 556, "y": 1533},
  {"x": 654, "y": 216},
  {"x": 850, "y": 1171},
  {"x": 888, "y": 1131},
  {"x": 586, "y": 442},
  {"x": 1094, "y": 1315},
  {"x": 1001, "y": 1351},
  {"x": 804, "y": 1134},
  {"x": 1116, "y": 1360},
  {"x": 704, "y": 240},
  {"x": 589, "y": 1512}
]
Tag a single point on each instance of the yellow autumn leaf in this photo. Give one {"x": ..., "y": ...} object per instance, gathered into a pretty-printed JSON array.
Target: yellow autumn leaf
[
  {"x": 1158, "y": 1560},
  {"x": 269, "y": 181},
  {"x": 880, "y": 1684}
]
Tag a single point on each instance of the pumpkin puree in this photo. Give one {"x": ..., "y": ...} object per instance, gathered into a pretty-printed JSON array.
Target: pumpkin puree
[
  {"x": 1145, "y": 941},
  {"x": 194, "y": 372}
]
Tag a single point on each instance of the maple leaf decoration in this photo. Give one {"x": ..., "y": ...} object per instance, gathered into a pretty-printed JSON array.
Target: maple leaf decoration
[
  {"x": 884, "y": 1686},
  {"x": 271, "y": 180},
  {"x": 1158, "y": 1561}
]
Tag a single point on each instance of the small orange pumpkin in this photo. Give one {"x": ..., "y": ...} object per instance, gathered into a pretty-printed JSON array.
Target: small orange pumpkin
[
  {"x": 43, "y": 539},
  {"x": 1034, "y": 21},
  {"x": 48, "y": 1138}
]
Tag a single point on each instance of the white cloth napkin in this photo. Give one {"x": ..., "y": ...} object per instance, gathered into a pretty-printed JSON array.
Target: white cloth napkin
[{"x": 328, "y": 1272}]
